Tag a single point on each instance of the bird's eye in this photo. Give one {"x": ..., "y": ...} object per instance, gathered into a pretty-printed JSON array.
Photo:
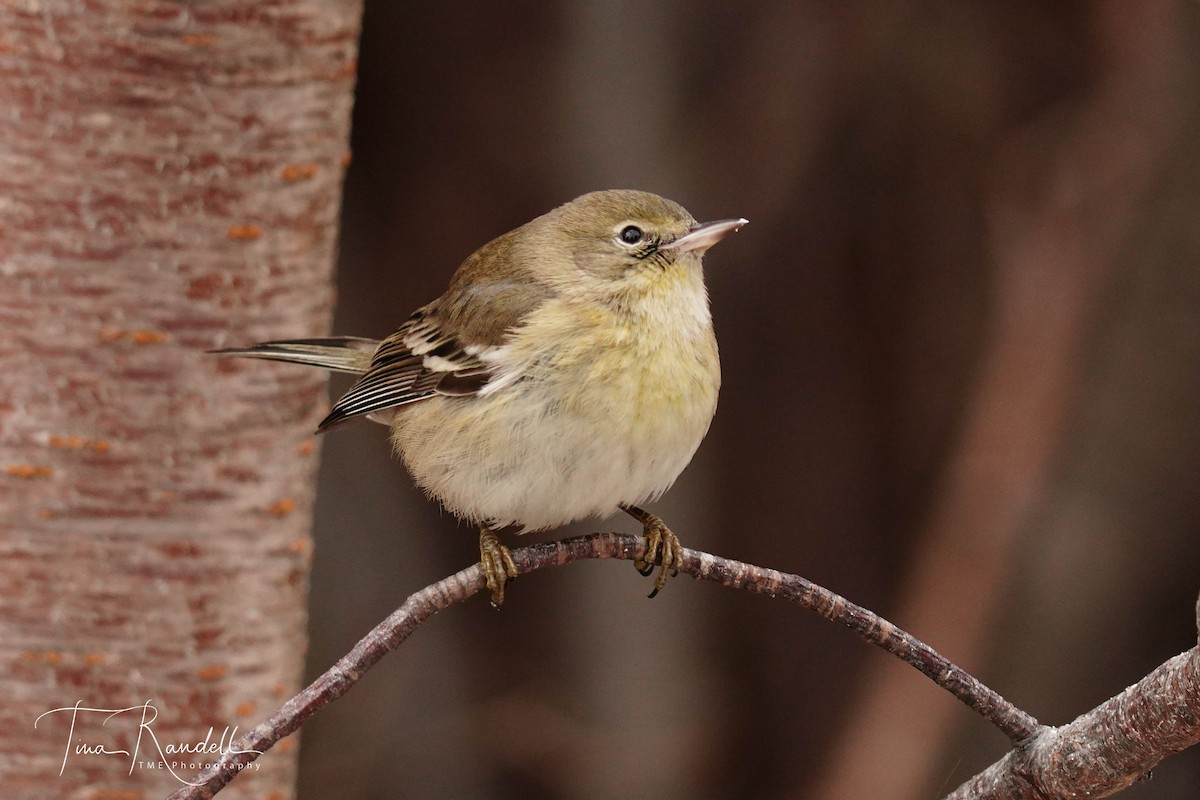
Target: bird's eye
[{"x": 631, "y": 234}]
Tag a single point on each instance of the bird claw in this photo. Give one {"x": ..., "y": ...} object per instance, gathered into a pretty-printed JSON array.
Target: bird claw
[
  {"x": 663, "y": 549},
  {"x": 498, "y": 565}
]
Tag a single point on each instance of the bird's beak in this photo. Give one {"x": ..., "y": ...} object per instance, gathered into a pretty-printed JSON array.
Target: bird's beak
[{"x": 704, "y": 236}]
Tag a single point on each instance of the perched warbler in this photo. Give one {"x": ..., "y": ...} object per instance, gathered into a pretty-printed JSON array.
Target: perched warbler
[{"x": 570, "y": 370}]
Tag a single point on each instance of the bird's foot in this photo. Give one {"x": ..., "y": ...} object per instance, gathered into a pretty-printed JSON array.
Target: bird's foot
[
  {"x": 662, "y": 548},
  {"x": 497, "y": 563}
]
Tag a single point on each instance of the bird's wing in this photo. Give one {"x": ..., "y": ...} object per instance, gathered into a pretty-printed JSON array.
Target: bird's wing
[
  {"x": 429, "y": 355},
  {"x": 419, "y": 360},
  {"x": 444, "y": 348}
]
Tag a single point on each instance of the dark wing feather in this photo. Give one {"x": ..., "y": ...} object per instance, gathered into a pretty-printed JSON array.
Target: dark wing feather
[
  {"x": 462, "y": 384},
  {"x": 410, "y": 365}
]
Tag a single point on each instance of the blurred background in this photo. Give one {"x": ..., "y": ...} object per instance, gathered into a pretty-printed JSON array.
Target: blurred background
[{"x": 961, "y": 348}]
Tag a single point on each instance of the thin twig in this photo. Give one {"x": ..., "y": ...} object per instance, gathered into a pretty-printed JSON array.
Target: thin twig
[{"x": 390, "y": 633}]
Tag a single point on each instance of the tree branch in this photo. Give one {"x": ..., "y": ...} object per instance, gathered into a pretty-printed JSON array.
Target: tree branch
[
  {"x": 390, "y": 633},
  {"x": 1107, "y": 749}
]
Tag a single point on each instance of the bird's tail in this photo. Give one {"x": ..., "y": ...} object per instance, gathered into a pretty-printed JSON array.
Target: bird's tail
[{"x": 336, "y": 353}]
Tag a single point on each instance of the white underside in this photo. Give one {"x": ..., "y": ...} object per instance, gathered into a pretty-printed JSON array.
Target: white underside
[{"x": 550, "y": 469}]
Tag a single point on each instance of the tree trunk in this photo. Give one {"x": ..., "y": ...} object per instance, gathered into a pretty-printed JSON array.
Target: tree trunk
[{"x": 170, "y": 179}]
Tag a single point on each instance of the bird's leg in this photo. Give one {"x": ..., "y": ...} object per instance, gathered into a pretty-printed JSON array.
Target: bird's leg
[
  {"x": 662, "y": 547},
  {"x": 497, "y": 564}
]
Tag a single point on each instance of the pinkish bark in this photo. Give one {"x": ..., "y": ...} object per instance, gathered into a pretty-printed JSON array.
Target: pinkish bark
[
  {"x": 1105, "y": 750},
  {"x": 170, "y": 179}
]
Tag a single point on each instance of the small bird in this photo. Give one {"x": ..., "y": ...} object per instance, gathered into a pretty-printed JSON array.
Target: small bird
[{"x": 570, "y": 370}]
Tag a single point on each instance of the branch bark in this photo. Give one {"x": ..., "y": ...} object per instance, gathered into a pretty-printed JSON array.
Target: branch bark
[
  {"x": 1107, "y": 749},
  {"x": 390, "y": 633}
]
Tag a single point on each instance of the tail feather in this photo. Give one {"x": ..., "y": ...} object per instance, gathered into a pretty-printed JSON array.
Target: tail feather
[{"x": 336, "y": 353}]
